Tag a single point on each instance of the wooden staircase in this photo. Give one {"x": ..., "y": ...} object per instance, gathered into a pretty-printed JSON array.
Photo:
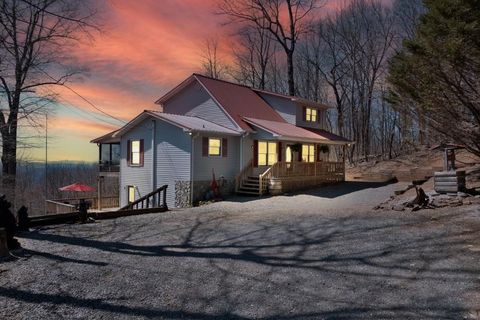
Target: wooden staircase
[
  {"x": 155, "y": 199},
  {"x": 249, "y": 185}
]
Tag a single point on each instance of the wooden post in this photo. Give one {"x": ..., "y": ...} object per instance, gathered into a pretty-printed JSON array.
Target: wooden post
[
  {"x": 3, "y": 243},
  {"x": 343, "y": 156},
  {"x": 165, "y": 198},
  {"x": 99, "y": 192}
]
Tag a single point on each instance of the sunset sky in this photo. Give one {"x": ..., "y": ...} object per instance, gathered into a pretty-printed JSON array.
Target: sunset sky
[{"x": 145, "y": 48}]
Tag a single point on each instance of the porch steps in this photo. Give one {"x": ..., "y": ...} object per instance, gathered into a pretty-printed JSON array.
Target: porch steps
[{"x": 249, "y": 186}]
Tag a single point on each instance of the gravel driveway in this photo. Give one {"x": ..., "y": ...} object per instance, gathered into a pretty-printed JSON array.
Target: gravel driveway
[{"x": 322, "y": 255}]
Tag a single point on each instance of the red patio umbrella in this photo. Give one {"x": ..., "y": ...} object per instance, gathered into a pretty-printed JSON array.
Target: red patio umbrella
[{"x": 77, "y": 187}]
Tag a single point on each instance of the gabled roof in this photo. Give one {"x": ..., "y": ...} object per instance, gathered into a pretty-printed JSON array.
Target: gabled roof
[
  {"x": 194, "y": 124},
  {"x": 294, "y": 99},
  {"x": 239, "y": 101},
  {"x": 187, "y": 123},
  {"x": 236, "y": 100},
  {"x": 328, "y": 135},
  {"x": 107, "y": 138},
  {"x": 288, "y": 131}
]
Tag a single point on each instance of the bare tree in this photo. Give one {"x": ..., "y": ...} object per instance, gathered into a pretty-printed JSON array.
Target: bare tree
[
  {"x": 34, "y": 39},
  {"x": 285, "y": 20},
  {"x": 253, "y": 55},
  {"x": 212, "y": 64}
]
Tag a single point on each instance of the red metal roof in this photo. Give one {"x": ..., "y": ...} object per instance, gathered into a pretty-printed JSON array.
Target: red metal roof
[
  {"x": 239, "y": 101},
  {"x": 285, "y": 130},
  {"x": 328, "y": 135}
]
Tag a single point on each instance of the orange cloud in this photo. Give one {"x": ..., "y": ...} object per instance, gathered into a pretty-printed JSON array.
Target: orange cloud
[{"x": 146, "y": 48}]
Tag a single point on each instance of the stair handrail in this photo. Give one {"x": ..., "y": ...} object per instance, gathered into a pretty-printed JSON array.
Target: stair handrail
[
  {"x": 243, "y": 174},
  {"x": 267, "y": 174},
  {"x": 146, "y": 197}
]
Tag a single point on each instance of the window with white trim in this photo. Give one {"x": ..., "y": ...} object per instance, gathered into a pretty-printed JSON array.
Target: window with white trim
[
  {"x": 131, "y": 194},
  {"x": 308, "y": 153},
  {"x": 267, "y": 153},
  {"x": 135, "y": 152}
]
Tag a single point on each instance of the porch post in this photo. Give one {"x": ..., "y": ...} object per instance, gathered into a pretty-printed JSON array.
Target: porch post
[
  {"x": 343, "y": 155},
  {"x": 99, "y": 193}
]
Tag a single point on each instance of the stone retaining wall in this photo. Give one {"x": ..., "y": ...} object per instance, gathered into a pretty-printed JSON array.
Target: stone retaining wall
[
  {"x": 201, "y": 188},
  {"x": 182, "y": 194}
]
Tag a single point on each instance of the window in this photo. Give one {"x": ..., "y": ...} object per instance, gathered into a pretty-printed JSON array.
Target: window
[
  {"x": 267, "y": 153},
  {"x": 214, "y": 146},
  {"x": 311, "y": 115},
  {"x": 135, "y": 152},
  {"x": 308, "y": 153},
  {"x": 131, "y": 194}
]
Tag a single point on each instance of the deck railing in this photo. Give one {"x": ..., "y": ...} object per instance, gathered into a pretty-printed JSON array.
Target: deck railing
[
  {"x": 325, "y": 169},
  {"x": 60, "y": 205},
  {"x": 155, "y": 199},
  {"x": 106, "y": 167},
  {"x": 57, "y": 207}
]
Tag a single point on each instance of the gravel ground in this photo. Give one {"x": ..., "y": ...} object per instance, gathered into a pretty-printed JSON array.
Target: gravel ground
[{"x": 321, "y": 255}]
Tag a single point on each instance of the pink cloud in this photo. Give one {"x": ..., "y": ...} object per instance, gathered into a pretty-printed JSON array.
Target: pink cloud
[{"x": 146, "y": 48}]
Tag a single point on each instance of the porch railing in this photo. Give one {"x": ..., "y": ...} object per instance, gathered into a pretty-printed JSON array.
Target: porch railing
[
  {"x": 330, "y": 171},
  {"x": 105, "y": 167},
  {"x": 263, "y": 180}
]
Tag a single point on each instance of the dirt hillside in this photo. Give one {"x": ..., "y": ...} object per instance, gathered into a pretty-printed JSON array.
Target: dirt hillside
[{"x": 416, "y": 166}]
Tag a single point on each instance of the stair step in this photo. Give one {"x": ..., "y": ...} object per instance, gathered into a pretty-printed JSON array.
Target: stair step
[
  {"x": 252, "y": 184},
  {"x": 246, "y": 192},
  {"x": 244, "y": 187},
  {"x": 252, "y": 178}
]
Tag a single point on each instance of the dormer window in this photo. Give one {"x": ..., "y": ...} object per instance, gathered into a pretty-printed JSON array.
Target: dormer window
[{"x": 311, "y": 114}]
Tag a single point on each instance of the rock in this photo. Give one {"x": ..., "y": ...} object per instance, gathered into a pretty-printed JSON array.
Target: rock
[
  {"x": 398, "y": 207},
  {"x": 455, "y": 203},
  {"x": 416, "y": 208},
  {"x": 462, "y": 194}
]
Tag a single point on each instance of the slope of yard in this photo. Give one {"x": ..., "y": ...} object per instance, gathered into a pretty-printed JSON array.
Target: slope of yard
[
  {"x": 302, "y": 256},
  {"x": 415, "y": 166}
]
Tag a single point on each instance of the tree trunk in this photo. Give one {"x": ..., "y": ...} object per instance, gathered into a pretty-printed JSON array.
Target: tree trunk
[
  {"x": 291, "y": 81},
  {"x": 9, "y": 163}
]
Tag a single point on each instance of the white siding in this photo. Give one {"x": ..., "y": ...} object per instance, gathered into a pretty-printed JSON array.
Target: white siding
[
  {"x": 293, "y": 112},
  {"x": 173, "y": 157},
  {"x": 247, "y": 150},
  {"x": 195, "y": 101},
  {"x": 172, "y": 160},
  {"x": 140, "y": 177},
  {"x": 285, "y": 108},
  {"x": 228, "y": 167},
  {"x": 316, "y": 125}
]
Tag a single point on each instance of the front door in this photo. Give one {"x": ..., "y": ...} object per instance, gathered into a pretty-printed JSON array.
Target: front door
[{"x": 288, "y": 154}]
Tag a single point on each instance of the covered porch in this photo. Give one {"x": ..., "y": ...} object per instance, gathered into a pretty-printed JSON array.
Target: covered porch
[
  {"x": 108, "y": 155},
  {"x": 286, "y": 158}
]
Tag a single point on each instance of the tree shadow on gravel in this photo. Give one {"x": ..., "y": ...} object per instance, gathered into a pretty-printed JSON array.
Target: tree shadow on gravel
[
  {"x": 59, "y": 258},
  {"x": 400, "y": 312},
  {"x": 341, "y": 189},
  {"x": 319, "y": 254}
]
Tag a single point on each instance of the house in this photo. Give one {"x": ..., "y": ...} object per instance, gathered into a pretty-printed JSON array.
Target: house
[{"x": 254, "y": 141}]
